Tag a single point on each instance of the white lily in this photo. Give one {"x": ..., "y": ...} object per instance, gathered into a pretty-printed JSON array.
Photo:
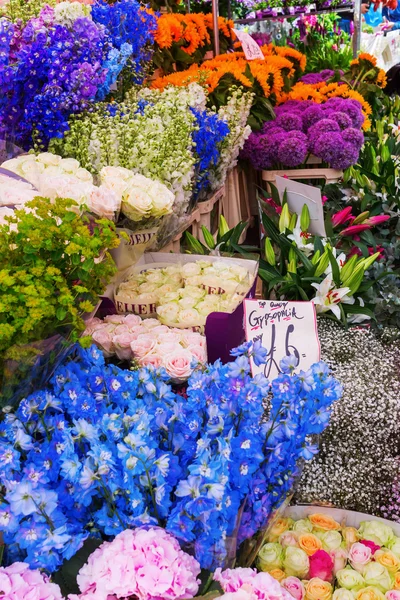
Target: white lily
[
  {"x": 341, "y": 259},
  {"x": 300, "y": 238},
  {"x": 328, "y": 297},
  {"x": 357, "y": 319}
]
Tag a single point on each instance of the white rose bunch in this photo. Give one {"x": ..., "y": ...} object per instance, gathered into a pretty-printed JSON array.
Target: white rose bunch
[{"x": 141, "y": 197}]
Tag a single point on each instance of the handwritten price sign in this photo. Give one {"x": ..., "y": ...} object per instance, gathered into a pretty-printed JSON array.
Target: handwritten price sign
[
  {"x": 284, "y": 328},
  {"x": 251, "y": 49}
]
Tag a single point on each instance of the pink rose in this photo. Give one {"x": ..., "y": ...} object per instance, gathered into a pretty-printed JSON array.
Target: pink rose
[
  {"x": 116, "y": 319},
  {"x": 295, "y": 587},
  {"x": 104, "y": 340},
  {"x": 132, "y": 321},
  {"x": 191, "y": 338},
  {"x": 103, "y": 202},
  {"x": 198, "y": 353},
  {"x": 374, "y": 547},
  {"x": 92, "y": 325},
  {"x": 178, "y": 363},
  {"x": 393, "y": 595},
  {"x": 167, "y": 348},
  {"x": 136, "y": 331},
  {"x": 121, "y": 329},
  {"x": 168, "y": 338},
  {"x": 151, "y": 323},
  {"x": 122, "y": 345},
  {"x": 288, "y": 538},
  {"x": 359, "y": 556},
  {"x": 144, "y": 344},
  {"x": 321, "y": 565},
  {"x": 339, "y": 557},
  {"x": 151, "y": 360},
  {"x": 160, "y": 330}
]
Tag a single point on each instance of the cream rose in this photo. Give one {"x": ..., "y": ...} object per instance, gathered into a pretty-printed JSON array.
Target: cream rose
[
  {"x": 378, "y": 576},
  {"x": 350, "y": 579},
  {"x": 270, "y": 556},
  {"x": 303, "y": 525},
  {"x": 296, "y": 562},
  {"x": 377, "y": 532},
  {"x": 168, "y": 313},
  {"x": 342, "y": 594}
]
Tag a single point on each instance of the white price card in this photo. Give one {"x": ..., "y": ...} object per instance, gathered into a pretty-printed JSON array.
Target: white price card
[
  {"x": 250, "y": 47},
  {"x": 284, "y": 328}
]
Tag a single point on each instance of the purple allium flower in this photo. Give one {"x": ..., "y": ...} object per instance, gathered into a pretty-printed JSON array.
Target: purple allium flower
[
  {"x": 316, "y": 130},
  {"x": 342, "y": 119},
  {"x": 354, "y": 137},
  {"x": 292, "y": 151},
  {"x": 332, "y": 149},
  {"x": 311, "y": 115},
  {"x": 318, "y": 77},
  {"x": 290, "y": 121},
  {"x": 261, "y": 149},
  {"x": 271, "y": 128}
]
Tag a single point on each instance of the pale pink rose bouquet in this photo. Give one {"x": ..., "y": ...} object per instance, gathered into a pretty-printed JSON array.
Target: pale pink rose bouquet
[
  {"x": 145, "y": 564},
  {"x": 149, "y": 343},
  {"x": 19, "y": 582}
]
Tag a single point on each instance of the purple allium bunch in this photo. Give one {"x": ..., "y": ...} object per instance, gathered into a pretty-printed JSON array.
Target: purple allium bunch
[
  {"x": 330, "y": 131},
  {"x": 324, "y": 75}
]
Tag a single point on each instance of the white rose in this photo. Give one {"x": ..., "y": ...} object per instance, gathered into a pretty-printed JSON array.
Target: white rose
[
  {"x": 168, "y": 313},
  {"x": 70, "y": 165},
  {"x": 195, "y": 292},
  {"x": 190, "y": 317},
  {"x": 187, "y": 302},
  {"x": 115, "y": 173},
  {"x": 191, "y": 269},
  {"x": 167, "y": 288},
  {"x": 84, "y": 175},
  {"x": 47, "y": 158},
  {"x": 136, "y": 204},
  {"x": 163, "y": 199}
]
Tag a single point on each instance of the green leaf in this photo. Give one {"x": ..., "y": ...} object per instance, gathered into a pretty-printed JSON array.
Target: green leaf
[
  {"x": 194, "y": 244},
  {"x": 335, "y": 268},
  {"x": 208, "y": 238},
  {"x": 302, "y": 293},
  {"x": 61, "y": 313},
  {"x": 269, "y": 276}
]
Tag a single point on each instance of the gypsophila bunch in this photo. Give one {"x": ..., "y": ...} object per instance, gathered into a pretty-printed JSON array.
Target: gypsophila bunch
[
  {"x": 351, "y": 471},
  {"x": 103, "y": 449},
  {"x": 59, "y": 62}
]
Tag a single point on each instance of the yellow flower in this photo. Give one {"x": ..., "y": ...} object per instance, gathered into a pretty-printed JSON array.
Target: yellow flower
[
  {"x": 388, "y": 560},
  {"x": 318, "y": 589},
  {"x": 278, "y": 574},
  {"x": 369, "y": 593},
  {"x": 324, "y": 522},
  {"x": 397, "y": 581},
  {"x": 280, "y": 525},
  {"x": 309, "y": 543}
]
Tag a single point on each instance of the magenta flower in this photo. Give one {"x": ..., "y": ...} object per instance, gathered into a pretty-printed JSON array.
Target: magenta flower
[
  {"x": 342, "y": 216},
  {"x": 353, "y": 229},
  {"x": 377, "y": 220},
  {"x": 374, "y": 547}
]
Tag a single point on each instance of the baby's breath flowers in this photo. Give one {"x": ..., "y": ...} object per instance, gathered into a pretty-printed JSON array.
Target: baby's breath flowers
[{"x": 358, "y": 451}]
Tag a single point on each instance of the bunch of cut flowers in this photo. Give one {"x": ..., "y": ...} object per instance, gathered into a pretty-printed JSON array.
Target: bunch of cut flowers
[
  {"x": 140, "y": 199},
  {"x": 317, "y": 557},
  {"x": 330, "y": 131},
  {"x": 185, "y": 294},
  {"x": 102, "y": 450},
  {"x": 328, "y": 271},
  {"x": 147, "y": 342},
  {"x": 62, "y": 60}
]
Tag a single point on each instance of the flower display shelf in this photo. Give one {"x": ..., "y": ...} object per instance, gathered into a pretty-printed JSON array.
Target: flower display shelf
[
  {"x": 201, "y": 215},
  {"x": 350, "y": 517},
  {"x": 314, "y": 171}
]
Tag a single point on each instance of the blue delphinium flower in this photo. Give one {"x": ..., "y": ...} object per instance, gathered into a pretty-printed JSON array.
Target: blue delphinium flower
[
  {"x": 104, "y": 449},
  {"x": 207, "y": 137}
]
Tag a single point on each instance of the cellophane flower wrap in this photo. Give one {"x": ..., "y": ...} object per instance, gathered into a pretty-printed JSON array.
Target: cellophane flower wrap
[
  {"x": 59, "y": 62},
  {"x": 103, "y": 449}
]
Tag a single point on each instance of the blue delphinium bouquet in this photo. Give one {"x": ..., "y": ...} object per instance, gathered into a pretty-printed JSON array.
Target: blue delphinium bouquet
[
  {"x": 60, "y": 62},
  {"x": 105, "y": 449}
]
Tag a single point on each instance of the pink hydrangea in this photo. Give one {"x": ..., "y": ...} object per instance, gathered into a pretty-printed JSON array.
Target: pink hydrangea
[
  {"x": 18, "y": 581},
  {"x": 147, "y": 564},
  {"x": 261, "y": 585}
]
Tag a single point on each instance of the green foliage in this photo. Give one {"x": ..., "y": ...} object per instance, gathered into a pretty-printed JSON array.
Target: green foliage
[
  {"x": 24, "y": 9},
  {"x": 53, "y": 265},
  {"x": 226, "y": 242}
]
